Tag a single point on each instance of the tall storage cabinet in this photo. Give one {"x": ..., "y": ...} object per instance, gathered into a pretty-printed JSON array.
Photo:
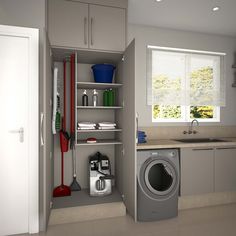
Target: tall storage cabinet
[{"x": 118, "y": 144}]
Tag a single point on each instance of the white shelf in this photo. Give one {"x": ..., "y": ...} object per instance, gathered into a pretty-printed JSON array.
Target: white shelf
[
  {"x": 99, "y": 107},
  {"x": 99, "y": 142},
  {"x": 98, "y": 130},
  {"x": 93, "y": 85}
]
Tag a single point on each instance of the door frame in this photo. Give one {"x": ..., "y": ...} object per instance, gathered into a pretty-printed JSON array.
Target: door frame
[{"x": 33, "y": 117}]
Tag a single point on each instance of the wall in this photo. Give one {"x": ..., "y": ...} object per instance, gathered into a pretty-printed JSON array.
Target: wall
[
  {"x": 145, "y": 35},
  {"x": 30, "y": 13}
]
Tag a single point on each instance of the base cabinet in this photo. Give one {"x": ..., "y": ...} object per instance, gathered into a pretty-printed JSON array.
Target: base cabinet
[
  {"x": 197, "y": 171},
  {"x": 208, "y": 170},
  {"x": 225, "y": 169}
]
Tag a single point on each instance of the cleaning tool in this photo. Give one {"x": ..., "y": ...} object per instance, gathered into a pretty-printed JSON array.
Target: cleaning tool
[
  {"x": 56, "y": 117},
  {"x": 63, "y": 190},
  {"x": 74, "y": 185}
]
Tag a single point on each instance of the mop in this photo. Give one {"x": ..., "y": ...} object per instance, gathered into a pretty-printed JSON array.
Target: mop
[{"x": 74, "y": 185}]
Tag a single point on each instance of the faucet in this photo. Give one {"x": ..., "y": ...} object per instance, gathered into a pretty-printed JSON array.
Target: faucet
[{"x": 191, "y": 131}]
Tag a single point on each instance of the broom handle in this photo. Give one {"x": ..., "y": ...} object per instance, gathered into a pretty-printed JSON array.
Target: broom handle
[
  {"x": 64, "y": 97},
  {"x": 74, "y": 162},
  {"x": 62, "y": 168}
]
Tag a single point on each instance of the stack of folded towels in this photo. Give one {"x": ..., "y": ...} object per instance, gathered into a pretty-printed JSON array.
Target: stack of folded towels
[
  {"x": 142, "y": 137},
  {"x": 86, "y": 125},
  {"x": 106, "y": 125}
]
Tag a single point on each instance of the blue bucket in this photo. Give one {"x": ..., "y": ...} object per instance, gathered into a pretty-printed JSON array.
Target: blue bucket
[{"x": 103, "y": 73}]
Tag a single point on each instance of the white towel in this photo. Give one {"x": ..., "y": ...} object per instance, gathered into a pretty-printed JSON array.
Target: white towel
[
  {"x": 108, "y": 127},
  {"x": 106, "y": 124},
  {"x": 86, "y": 124},
  {"x": 86, "y": 128}
]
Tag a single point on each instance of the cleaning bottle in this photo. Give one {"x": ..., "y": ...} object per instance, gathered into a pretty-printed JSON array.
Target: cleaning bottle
[
  {"x": 85, "y": 98},
  {"x": 95, "y": 98},
  {"x": 111, "y": 97},
  {"x": 105, "y": 98}
]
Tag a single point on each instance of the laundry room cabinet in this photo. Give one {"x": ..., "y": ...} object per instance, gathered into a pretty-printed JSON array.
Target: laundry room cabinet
[
  {"x": 118, "y": 144},
  {"x": 83, "y": 25},
  {"x": 225, "y": 169},
  {"x": 197, "y": 171}
]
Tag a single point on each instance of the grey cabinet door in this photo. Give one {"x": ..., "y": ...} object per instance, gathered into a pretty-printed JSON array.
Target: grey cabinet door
[
  {"x": 197, "y": 171},
  {"x": 225, "y": 169},
  {"x": 107, "y": 28},
  {"x": 128, "y": 129},
  {"x": 68, "y": 23}
]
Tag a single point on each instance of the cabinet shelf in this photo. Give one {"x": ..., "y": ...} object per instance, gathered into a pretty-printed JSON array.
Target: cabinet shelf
[
  {"x": 99, "y": 142},
  {"x": 93, "y": 85},
  {"x": 98, "y": 130},
  {"x": 99, "y": 107}
]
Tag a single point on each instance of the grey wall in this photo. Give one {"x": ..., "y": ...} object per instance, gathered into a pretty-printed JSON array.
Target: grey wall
[
  {"x": 145, "y": 35},
  {"x": 30, "y": 13}
]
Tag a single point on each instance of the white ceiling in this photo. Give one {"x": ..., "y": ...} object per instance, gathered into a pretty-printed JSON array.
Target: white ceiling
[{"x": 190, "y": 15}]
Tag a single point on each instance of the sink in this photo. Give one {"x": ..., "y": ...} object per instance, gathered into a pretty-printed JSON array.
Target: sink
[{"x": 200, "y": 140}]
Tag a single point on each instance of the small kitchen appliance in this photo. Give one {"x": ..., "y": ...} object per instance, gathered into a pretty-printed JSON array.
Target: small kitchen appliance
[{"x": 100, "y": 178}]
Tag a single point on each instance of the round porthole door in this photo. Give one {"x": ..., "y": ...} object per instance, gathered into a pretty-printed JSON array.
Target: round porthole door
[{"x": 159, "y": 178}]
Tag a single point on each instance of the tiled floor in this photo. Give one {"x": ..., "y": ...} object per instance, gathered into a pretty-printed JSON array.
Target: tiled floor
[{"x": 211, "y": 221}]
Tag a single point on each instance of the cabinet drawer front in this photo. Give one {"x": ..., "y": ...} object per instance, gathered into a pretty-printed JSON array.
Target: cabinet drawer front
[{"x": 68, "y": 23}]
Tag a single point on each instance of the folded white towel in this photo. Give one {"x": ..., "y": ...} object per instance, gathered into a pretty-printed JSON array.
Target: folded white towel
[
  {"x": 86, "y": 124},
  {"x": 86, "y": 128},
  {"x": 106, "y": 124},
  {"x": 108, "y": 127}
]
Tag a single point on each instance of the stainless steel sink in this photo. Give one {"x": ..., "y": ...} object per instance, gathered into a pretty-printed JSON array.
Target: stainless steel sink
[{"x": 200, "y": 140}]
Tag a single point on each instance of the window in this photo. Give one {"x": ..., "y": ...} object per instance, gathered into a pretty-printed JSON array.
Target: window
[{"x": 185, "y": 85}]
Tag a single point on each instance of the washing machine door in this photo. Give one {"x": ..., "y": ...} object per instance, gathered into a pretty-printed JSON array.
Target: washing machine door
[{"x": 158, "y": 178}]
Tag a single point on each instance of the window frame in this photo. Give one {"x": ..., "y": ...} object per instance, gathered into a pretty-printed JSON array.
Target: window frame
[{"x": 185, "y": 110}]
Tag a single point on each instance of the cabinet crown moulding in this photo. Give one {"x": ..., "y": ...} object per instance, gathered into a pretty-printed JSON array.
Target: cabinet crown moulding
[{"x": 109, "y": 3}]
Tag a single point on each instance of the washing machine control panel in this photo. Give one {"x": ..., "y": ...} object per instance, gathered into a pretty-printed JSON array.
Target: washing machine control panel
[{"x": 167, "y": 153}]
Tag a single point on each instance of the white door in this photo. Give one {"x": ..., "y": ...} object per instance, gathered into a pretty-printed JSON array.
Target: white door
[{"x": 18, "y": 156}]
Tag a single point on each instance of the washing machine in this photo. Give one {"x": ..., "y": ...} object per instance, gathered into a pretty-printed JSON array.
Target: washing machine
[{"x": 157, "y": 184}]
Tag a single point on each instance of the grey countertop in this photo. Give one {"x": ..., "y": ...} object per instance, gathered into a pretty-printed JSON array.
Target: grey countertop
[{"x": 169, "y": 143}]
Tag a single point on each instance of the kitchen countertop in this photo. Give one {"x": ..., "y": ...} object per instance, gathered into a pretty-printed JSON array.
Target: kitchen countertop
[{"x": 171, "y": 143}]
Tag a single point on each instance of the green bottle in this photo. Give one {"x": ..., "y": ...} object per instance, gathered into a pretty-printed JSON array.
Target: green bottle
[
  {"x": 105, "y": 98},
  {"x": 111, "y": 97}
]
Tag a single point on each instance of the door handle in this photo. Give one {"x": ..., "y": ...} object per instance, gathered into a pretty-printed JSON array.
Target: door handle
[
  {"x": 85, "y": 31},
  {"x": 91, "y": 28},
  {"x": 137, "y": 116},
  {"x": 20, "y": 132},
  {"x": 41, "y": 129}
]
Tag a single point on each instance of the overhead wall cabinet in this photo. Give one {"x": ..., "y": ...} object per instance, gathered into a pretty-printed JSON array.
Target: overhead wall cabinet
[{"x": 87, "y": 26}]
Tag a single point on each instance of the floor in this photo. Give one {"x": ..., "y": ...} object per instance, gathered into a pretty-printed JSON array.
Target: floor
[{"x": 215, "y": 221}]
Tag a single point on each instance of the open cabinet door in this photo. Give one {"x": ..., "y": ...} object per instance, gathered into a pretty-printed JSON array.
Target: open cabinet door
[
  {"x": 46, "y": 143},
  {"x": 129, "y": 130}
]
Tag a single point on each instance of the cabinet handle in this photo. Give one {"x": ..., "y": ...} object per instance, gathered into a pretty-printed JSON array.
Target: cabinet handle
[
  {"x": 202, "y": 149},
  {"x": 85, "y": 30},
  {"x": 225, "y": 148},
  {"x": 137, "y": 116},
  {"x": 41, "y": 129},
  {"x": 91, "y": 31}
]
